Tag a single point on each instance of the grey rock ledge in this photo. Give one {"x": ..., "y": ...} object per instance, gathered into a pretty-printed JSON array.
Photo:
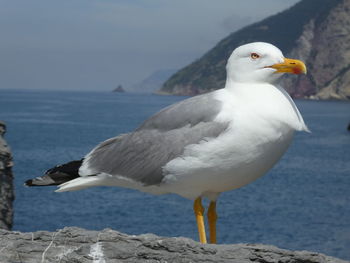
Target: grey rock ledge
[{"x": 73, "y": 244}]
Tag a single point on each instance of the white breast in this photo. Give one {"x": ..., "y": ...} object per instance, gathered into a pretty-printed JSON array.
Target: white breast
[{"x": 262, "y": 125}]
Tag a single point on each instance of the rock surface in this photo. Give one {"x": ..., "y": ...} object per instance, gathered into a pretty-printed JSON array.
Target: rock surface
[
  {"x": 73, "y": 244},
  {"x": 317, "y": 32},
  {"x": 325, "y": 47},
  {"x": 6, "y": 182}
]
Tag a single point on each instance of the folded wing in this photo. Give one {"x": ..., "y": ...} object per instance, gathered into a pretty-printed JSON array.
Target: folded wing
[{"x": 140, "y": 155}]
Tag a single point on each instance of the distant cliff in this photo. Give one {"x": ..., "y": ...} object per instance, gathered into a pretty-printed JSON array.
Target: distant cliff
[
  {"x": 6, "y": 182},
  {"x": 78, "y": 245},
  {"x": 153, "y": 82},
  {"x": 315, "y": 31}
]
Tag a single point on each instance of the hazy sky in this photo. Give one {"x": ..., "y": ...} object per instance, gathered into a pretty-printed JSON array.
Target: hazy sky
[{"x": 98, "y": 44}]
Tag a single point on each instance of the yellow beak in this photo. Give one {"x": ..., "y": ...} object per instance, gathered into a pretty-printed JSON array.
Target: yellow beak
[{"x": 293, "y": 66}]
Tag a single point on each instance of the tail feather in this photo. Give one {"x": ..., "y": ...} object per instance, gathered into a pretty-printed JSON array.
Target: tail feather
[
  {"x": 81, "y": 183},
  {"x": 58, "y": 175}
]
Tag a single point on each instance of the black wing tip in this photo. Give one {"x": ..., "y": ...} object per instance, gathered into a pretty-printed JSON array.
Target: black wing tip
[
  {"x": 29, "y": 183},
  {"x": 57, "y": 175},
  {"x": 72, "y": 166},
  {"x": 40, "y": 181}
]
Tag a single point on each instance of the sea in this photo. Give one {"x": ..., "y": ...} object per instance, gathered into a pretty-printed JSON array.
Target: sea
[{"x": 303, "y": 203}]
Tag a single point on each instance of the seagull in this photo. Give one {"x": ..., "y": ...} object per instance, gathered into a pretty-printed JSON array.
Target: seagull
[{"x": 201, "y": 146}]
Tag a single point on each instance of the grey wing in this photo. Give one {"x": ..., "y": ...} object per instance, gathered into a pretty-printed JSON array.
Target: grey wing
[
  {"x": 201, "y": 108},
  {"x": 141, "y": 155}
]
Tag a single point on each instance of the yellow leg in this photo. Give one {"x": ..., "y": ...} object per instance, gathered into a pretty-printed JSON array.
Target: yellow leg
[
  {"x": 212, "y": 217},
  {"x": 199, "y": 211}
]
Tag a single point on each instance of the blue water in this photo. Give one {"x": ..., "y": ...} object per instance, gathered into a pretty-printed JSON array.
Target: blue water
[{"x": 303, "y": 202}]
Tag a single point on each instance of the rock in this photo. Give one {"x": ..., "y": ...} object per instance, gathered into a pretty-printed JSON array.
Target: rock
[
  {"x": 73, "y": 244},
  {"x": 6, "y": 182},
  {"x": 119, "y": 89},
  {"x": 324, "y": 46}
]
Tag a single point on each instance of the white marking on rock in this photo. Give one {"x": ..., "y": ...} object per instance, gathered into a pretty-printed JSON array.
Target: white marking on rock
[
  {"x": 48, "y": 247},
  {"x": 66, "y": 252},
  {"x": 96, "y": 252}
]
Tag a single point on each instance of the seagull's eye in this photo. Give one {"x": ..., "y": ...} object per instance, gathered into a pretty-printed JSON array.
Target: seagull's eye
[{"x": 254, "y": 56}]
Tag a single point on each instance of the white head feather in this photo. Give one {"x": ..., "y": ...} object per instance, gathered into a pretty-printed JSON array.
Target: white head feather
[{"x": 249, "y": 63}]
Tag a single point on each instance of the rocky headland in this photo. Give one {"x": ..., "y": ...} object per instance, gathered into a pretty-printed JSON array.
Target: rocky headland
[
  {"x": 78, "y": 245},
  {"x": 317, "y": 32}
]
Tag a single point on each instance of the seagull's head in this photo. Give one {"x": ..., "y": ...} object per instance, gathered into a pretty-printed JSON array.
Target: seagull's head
[{"x": 260, "y": 62}]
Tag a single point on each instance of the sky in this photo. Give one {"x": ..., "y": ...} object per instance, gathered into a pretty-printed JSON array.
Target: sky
[{"x": 99, "y": 44}]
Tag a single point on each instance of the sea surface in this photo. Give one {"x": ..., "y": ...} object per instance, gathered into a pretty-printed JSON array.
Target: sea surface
[{"x": 303, "y": 203}]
